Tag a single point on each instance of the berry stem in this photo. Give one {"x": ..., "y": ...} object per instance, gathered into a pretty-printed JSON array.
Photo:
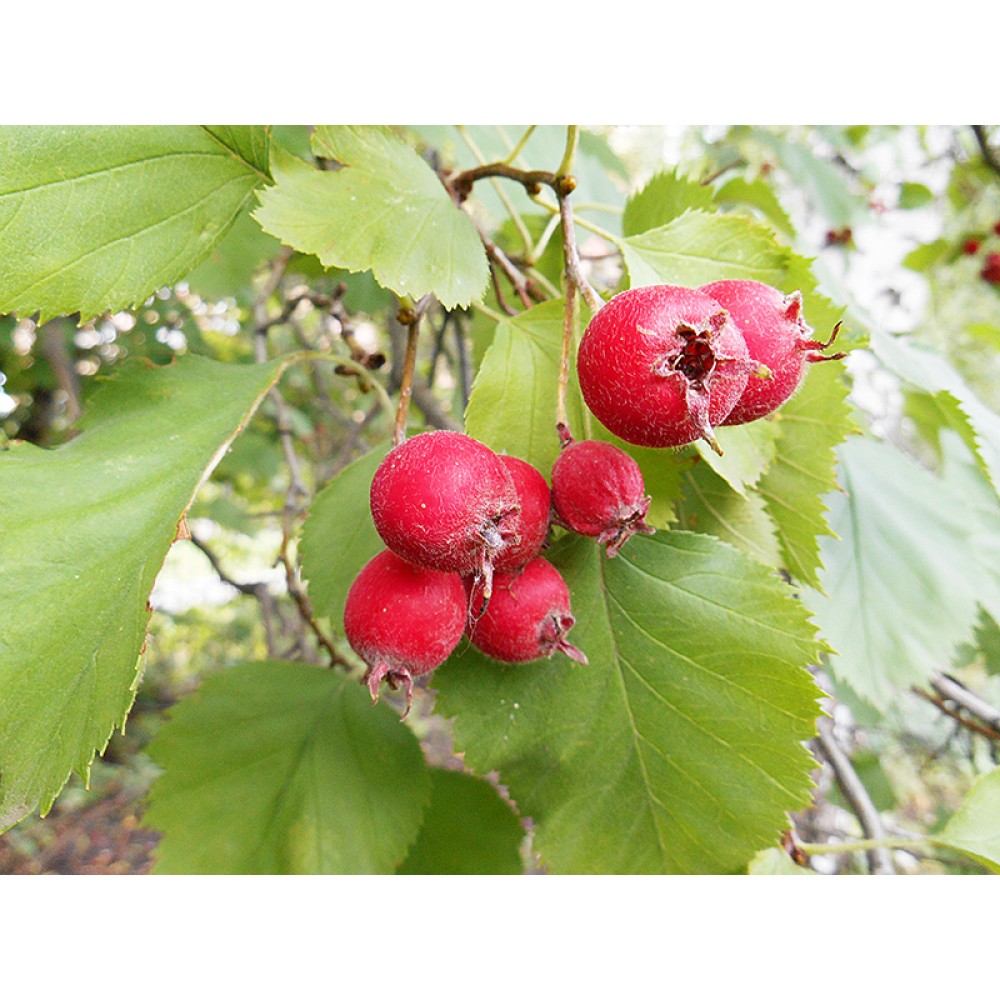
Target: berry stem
[
  {"x": 569, "y": 322},
  {"x": 409, "y": 315}
]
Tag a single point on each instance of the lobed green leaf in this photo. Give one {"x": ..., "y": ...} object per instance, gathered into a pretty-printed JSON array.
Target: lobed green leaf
[
  {"x": 96, "y": 218},
  {"x": 281, "y": 768},
  {"x": 86, "y": 529},
  {"x": 679, "y": 747}
]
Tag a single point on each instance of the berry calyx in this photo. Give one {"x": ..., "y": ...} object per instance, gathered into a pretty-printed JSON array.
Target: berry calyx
[
  {"x": 531, "y": 524},
  {"x": 777, "y": 338},
  {"x": 661, "y": 366},
  {"x": 445, "y": 501},
  {"x": 598, "y": 491},
  {"x": 403, "y": 620},
  {"x": 528, "y": 617}
]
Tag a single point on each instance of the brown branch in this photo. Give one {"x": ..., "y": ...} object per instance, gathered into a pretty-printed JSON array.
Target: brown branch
[
  {"x": 257, "y": 590},
  {"x": 853, "y": 789},
  {"x": 532, "y": 180},
  {"x": 571, "y": 254},
  {"x": 989, "y": 155},
  {"x": 959, "y": 703}
]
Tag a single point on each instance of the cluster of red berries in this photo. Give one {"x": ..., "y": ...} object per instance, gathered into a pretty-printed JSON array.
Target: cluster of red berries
[
  {"x": 990, "y": 271},
  {"x": 465, "y": 529},
  {"x": 662, "y": 366}
]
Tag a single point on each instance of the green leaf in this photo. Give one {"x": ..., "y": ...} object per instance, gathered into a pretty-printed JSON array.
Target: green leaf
[
  {"x": 94, "y": 218},
  {"x": 775, "y": 861},
  {"x": 901, "y": 578},
  {"x": 282, "y": 768},
  {"x": 709, "y": 505},
  {"x": 927, "y": 255},
  {"x": 86, "y": 529},
  {"x": 812, "y": 423},
  {"x": 232, "y": 264},
  {"x": 512, "y": 407},
  {"x": 698, "y": 248},
  {"x": 385, "y": 210},
  {"x": 468, "y": 830},
  {"x": 975, "y": 828},
  {"x": 748, "y": 450},
  {"x": 912, "y": 195},
  {"x": 959, "y": 407},
  {"x": 757, "y": 194},
  {"x": 679, "y": 747},
  {"x": 339, "y": 536},
  {"x": 664, "y": 197}
]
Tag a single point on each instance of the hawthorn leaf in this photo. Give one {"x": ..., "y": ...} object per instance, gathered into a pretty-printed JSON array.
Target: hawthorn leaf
[
  {"x": 96, "y": 218},
  {"x": 679, "y": 748},
  {"x": 748, "y": 450},
  {"x": 756, "y": 194},
  {"x": 664, "y": 197},
  {"x": 385, "y": 210},
  {"x": 698, "y": 247},
  {"x": 284, "y": 768},
  {"x": 974, "y": 829},
  {"x": 708, "y": 504},
  {"x": 339, "y": 536},
  {"x": 87, "y": 526},
  {"x": 512, "y": 407},
  {"x": 795, "y": 486},
  {"x": 901, "y": 576},
  {"x": 468, "y": 830},
  {"x": 959, "y": 407}
]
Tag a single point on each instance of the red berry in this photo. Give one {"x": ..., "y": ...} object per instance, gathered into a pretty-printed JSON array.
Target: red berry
[
  {"x": 996, "y": 228},
  {"x": 991, "y": 269},
  {"x": 598, "y": 490},
  {"x": 778, "y": 339},
  {"x": 528, "y": 616},
  {"x": 403, "y": 620},
  {"x": 661, "y": 366},
  {"x": 445, "y": 501},
  {"x": 531, "y": 523},
  {"x": 970, "y": 247}
]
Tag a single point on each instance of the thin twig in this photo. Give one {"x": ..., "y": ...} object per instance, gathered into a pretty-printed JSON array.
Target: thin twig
[
  {"x": 985, "y": 718},
  {"x": 989, "y": 155},
  {"x": 571, "y": 254},
  {"x": 853, "y": 789}
]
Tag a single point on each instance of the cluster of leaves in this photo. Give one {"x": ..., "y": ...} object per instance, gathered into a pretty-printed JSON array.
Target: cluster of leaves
[{"x": 682, "y": 747}]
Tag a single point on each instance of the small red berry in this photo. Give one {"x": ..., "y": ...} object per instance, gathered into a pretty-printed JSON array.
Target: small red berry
[
  {"x": 445, "y": 501},
  {"x": 661, "y": 366},
  {"x": 528, "y": 616},
  {"x": 403, "y": 620},
  {"x": 996, "y": 228},
  {"x": 531, "y": 524},
  {"x": 991, "y": 269},
  {"x": 598, "y": 490},
  {"x": 778, "y": 340},
  {"x": 971, "y": 247}
]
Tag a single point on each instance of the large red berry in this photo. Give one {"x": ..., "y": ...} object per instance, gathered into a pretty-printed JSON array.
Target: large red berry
[
  {"x": 531, "y": 523},
  {"x": 528, "y": 616},
  {"x": 778, "y": 339},
  {"x": 661, "y": 366},
  {"x": 445, "y": 501},
  {"x": 403, "y": 620},
  {"x": 598, "y": 490}
]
